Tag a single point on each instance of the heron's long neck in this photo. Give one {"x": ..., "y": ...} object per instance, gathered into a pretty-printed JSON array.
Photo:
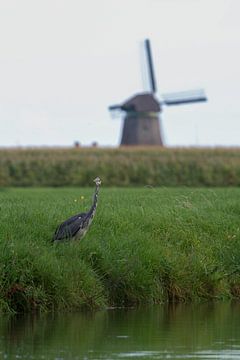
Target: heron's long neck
[{"x": 95, "y": 200}]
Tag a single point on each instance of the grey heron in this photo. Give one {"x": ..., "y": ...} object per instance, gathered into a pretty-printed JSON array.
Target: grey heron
[{"x": 76, "y": 226}]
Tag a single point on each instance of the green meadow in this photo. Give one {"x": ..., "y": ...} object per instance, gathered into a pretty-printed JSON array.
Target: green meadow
[{"x": 146, "y": 245}]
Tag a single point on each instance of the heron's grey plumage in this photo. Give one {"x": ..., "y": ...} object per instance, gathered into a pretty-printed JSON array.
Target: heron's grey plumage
[{"x": 76, "y": 226}]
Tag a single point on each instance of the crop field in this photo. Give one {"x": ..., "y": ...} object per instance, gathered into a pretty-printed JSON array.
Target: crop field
[
  {"x": 145, "y": 245},
  {"x": 124, "y": 167}
]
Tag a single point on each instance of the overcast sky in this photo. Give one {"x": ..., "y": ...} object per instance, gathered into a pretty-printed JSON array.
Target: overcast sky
[{"x": 63, "y": 62}]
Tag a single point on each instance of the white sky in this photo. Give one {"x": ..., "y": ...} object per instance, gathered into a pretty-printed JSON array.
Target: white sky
[{"x": 63, "y": 62}]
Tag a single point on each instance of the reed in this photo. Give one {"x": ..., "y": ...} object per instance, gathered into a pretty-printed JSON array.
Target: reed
[{"x": 128, "y": 166}]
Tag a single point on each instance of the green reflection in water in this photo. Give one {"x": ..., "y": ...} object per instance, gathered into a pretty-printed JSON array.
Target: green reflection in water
[{"x": 204, "y": 331}]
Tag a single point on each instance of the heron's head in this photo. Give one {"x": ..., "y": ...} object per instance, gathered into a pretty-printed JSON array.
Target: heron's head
[{"x": 97, "y": 181}]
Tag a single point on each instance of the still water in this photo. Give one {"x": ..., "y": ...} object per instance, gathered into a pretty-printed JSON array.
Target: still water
[{"x": 206, "y": 331}]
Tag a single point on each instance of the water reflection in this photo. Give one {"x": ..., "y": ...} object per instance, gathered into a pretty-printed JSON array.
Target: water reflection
[{"x": 206, "y": 331}]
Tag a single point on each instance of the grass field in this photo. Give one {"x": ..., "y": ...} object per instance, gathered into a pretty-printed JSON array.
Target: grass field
[{"x": 146, "y": 245}]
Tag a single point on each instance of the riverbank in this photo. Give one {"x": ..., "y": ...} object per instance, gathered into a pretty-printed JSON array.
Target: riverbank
[{"x": 146, "y": 245}]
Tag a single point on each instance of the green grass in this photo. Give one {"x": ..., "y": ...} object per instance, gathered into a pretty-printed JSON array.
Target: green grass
[
  {"x": 146, "y": 245},
  {"x": 136, "y": 166}
]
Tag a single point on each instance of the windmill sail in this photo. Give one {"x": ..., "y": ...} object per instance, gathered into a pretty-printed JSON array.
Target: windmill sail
[
  {"x": 184, "y": 97},
  {"x": 151, "y": 75}
]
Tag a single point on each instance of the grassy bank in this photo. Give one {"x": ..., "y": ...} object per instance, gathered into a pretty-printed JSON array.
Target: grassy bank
[
  {"x": 135, "y": 167},
  {"x": 147, "y": 245}
]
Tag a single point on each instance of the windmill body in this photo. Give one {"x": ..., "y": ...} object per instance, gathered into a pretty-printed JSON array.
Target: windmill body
[
  {"x": 142, "y": 111},
  {"x": 141, "y": 123}
]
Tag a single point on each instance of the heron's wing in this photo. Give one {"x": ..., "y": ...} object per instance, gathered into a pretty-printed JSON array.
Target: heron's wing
[{"x": 70, "y": 227}]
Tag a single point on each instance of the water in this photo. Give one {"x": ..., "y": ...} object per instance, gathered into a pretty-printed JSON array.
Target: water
[{"x": 206, "y": 331}]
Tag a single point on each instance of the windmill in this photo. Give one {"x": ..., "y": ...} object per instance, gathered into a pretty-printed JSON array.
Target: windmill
[{"x": 142, "y": 111}]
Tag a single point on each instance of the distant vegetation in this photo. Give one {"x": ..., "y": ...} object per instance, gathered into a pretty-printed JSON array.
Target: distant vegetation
[
  {"x": 120, "y": 167},
  {"x": 146, "y": 245}
]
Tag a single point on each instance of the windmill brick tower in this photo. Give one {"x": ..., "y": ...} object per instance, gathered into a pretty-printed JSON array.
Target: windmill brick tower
[{"x": 142, "y": 111}]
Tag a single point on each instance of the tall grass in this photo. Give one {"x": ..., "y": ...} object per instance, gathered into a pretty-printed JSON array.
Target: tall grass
[
  {"x": 120, "y": 167},
  {"x": 146, "y": 245}
]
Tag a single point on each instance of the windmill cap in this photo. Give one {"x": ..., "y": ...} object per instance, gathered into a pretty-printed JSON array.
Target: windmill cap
[{"x": 140, "y": 102}]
